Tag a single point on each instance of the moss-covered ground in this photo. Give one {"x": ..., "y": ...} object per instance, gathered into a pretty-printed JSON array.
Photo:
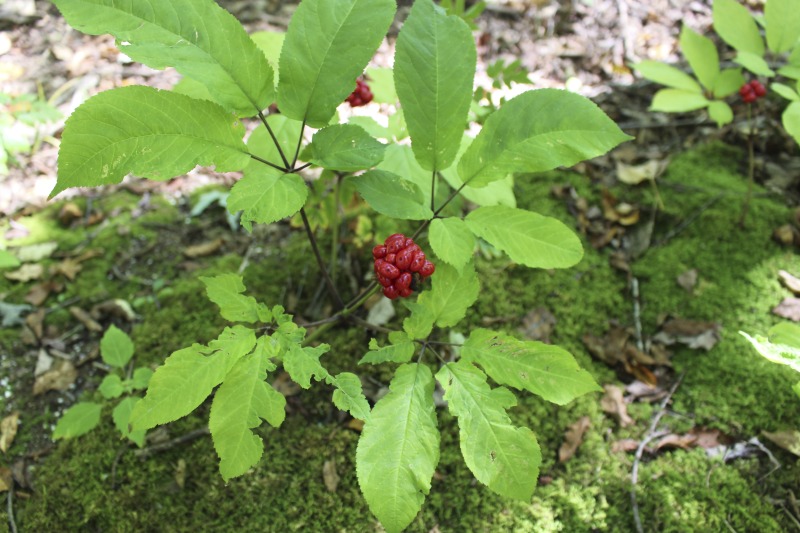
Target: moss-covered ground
[{"x": 95, "y": 483}]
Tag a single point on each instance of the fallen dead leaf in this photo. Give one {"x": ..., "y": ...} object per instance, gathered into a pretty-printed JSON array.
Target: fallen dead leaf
[
  {"x": 573, "y": 438},
  {"x": 624, "y": 445},
  {"x": 355, "y": 424},
  {"x": 538, "y": 324},
  {"x": 786, "y": 234},
  {"x": 790, "y": 282},
  {"x": 710, "y": 438},
  {"x": 26, "y": 272},
  {"x": 84, "y": 318},
  {"x": 694, "y": 334},
  {"x": 203, "y": 249},
  {"x": 789, "y": 308},
  {"x": 43, "y": 363},
  {"x": 39, "y": 292},
  {"x": 60, "y": 377},
  {"x": 676, "y": 441},
  {"x": 6, "y": 479},
  {"x": 8, "y": 430},
  {"x": 639, "y": 390},
  {"x": 636, "y": 174},
  {"x": 788, "y": 439},
  {"x": 68, "y": 268},
  {"x": 614, "y": 404},
  {"x": 688, "y": 280},
  {"x": 70, "y": 212},
  {"x": 35, "y": 252},
  {"x": 35, "y": 321},
  {"x": 330, "y": 476},
  {"x": 117, "y": 308}
]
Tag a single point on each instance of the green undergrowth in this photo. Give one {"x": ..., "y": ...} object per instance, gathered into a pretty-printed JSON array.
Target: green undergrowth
[{"x": 729, "y": 388}]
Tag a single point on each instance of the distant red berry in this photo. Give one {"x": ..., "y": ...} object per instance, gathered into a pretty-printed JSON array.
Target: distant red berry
[
  {"x": 759, "y": 89},
  {"x": 361, "y": 95}
]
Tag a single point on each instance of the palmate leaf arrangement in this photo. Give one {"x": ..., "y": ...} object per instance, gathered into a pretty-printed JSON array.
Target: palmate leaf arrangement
[{"x": 231, "y": 76}]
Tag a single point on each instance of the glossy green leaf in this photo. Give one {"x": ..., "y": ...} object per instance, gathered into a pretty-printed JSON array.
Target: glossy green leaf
[
  {"x": 528, "y": 238},
  {"x": 111, "y": 387},
  {"x": 754, "y": 63},
  {"x": 500, "y": 192},
  {"x": 265, "y": 197},
  {"x": 399, "y": 159},
  {"x": 390, "y": 195},
  {"x": 226, "y": 290},
  {"x": 701, "y": 53},
  {"x": 791, "y": 120},
  {"x": 543, "y": 369},
  {"x": 677, "y": 101},
  {"x": 434, "y": 67},
  {"x": 328, "y": 44},
  {"x": 399, "y": 350},
  {"x": 728, "y": 82},
  {"x": 141, "y": 378},
  {"x": 349, "y": 396},
  {"x": 783, "y": 24},
  {"x": 502, "y": 456},
  {"x": 720, "y": 112},
  {"x": 346, "y": 148},
  {"x": 667, "y": 75},
  {"x": 783, "y": 354},
  {"x": 785, "y": 91},
  {"x": 199, "y": 38},
  {"x": 239, "y": 406},
  {"x": 116, "y": 348},
  {"x": 452, "y": 293},
  {"x": 302, "y": 363},
  {"x": 452, "y": 241},
  {"x": 537, "y": 131},
  {"x": 78, "y": 420},
  {"x": 122, "y": 415},
  {"x": 398, "y": 449},
  {"x": 737, "y": 27},
  {"x": 150, "y": 133}
]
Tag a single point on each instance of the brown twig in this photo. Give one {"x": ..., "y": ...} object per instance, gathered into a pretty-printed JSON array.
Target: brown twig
[
  {"x": 161, "y": 446},
  {"x": 12, "y": 524}
]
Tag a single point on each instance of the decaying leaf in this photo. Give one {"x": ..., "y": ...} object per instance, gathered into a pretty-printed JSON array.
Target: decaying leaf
[
  {"x": 688, "y": 280},
  {"x": 39, "y": 292},
  {"x": 6, "y": 479},
  {"x": 203, "y": 249},
  {"x": 636, "y": 174},
  {"x": 676, "y": 441},
  {"x": 788, "y": 439},
  {"x": 617, "y": 349},
  {"x": 35, "y": 321},
  {"x": 68, "y": 268},
  {"x": 85, "y": 318},
  {"x": 35, "y": 252},
  {"x": 613, "y": 403},
  {"x": 330, "y": 476},
  {"x": 538, "y": 324},
  {"x": 26, "y": 273},
  {"x": 790, "y": 282},
  {"x": 573, "y": 438},
  {"x": 8, "y": 430},
  {"x": 789, "y": 308},
  {"x": 60, "y": 377},
  {"x": 116, "y": 308},
  {"x": 694, "y": 334},
  {"x": 624, "y": 445},
  {"x": 43, "y": 363}
]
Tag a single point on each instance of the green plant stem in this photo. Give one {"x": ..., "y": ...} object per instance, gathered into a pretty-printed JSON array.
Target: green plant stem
[
  {"x": 320, "y": 262},
  {"x": 275, "y": 140},
  {"x": 436, "y": 213},
  {"x": 751, "y": 167},
  {"x": 336, "y": 227},
  {"x": 298, "y": 169},
  {"x": 433, "y": 189},
  {"x": 328, "y": 323},
  {"x": 299, "y": 142},
  {"x": 273, "y": 165}
]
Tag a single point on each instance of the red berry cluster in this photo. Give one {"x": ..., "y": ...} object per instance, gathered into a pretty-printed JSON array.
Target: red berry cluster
[
  {"x": 361, "y": 96},
  {"x": 750, "y": 92},
  {"x": 397, "y": 261}
]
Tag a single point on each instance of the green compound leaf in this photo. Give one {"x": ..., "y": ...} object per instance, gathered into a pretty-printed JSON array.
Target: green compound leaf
[
  {"x": 391, "y": 195},
  {"x": 754, "y": 63},
  {"x": 775, "y": 351},
  {"x": 677, "y": 101},
  {"x": 265, "y": 197},
  {"x": 702, "y": 56},
  {"x": 122, "y": 416},
  {"x": 349, "y": 395},
  {"x": 141, "y": 378},
  {"x": 452, "y": 241},
  {"x": 667, "y": 75},
  {"x": 116, "y": 348},
  {"x": 260, "y": 143},
  {"x": 197, "y": 37},
  {"x": 241, "y": 402},
  {"x": 543, "y": 369},
  {"x": 399, "y": 350},
  {"x": 346, "y": 148},
  {"x": 434, "y": 67},
  {"x": 270, "y": 43},
  {"x": 399, "y": 159},
  {"x": 302, "y": 364},
  {"x": 720, "y": 112},
  {"x": 783, "y": 24},
  {"x": 111, "y": 387},
  {"x": 143, "y": 131},
  {"x": 500, "y": 192},
  {"x": 728, "y": 82},
  {"x": 452, "y": 294},
  {"x": 328, "y": 44},
  {"x": 537, "y": 131},
  {"x": 78, "y": 420},
  {"x": 398, "y": 449},
  {"x": 733, "y": 22},
  {"x": 502, "y": 456},
  {"x": 226, "y": 290},
  {"x": 528, "y": 238}
]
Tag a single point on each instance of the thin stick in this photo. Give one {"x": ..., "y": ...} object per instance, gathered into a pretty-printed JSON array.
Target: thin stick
[
  {"x": 161, "y": 446},
  {"x": 273, "y": 165},
  {"x": 320, "y": 262},
  {"x": 10, "y": 499},
  {"x": 637, "y": 319},
  {"x": 275, "y": 139}
]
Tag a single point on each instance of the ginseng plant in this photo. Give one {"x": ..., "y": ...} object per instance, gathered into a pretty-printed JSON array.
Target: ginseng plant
[{"x": 159, "y": 134}]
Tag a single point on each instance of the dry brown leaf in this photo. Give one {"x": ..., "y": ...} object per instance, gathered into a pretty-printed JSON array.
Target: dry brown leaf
[
  {"x": 789, "y": 308},
  {"x": 330, "y": 476},
  {"x": 642, "y": 373},
  {"x": 25, "y": 273},
  {"x": 790, "y": 282},
  {"x": 8, "y": 430},
  {"x": 35, "y": 252},
  {"x": 70, "y": 212},
  {"x": 710, "y": 438},
  {"x": 788, "y": 439},
  {"x": 676, "y": 441},
  {"x": 688, "y": 280},
  {"x": 538, "y": 324},
  {"x": 84, "y": 318},
  {"x": 203, "y": 249},
  {"x": 624, "y": 445},
  {"x": 60, "y": 377},
  {"x": 636, "y": 174},
  {"x": 35, "y": 321},
  {"x": 692, "y": 333},
  {"x": 573, "y": 438},
  {"x": 610, "y": 348},
  {"x": 39, "y": 292},
  {"x": 639, "y": 390},
  {"x": 69, "y": 268},
  {"x": 6, "y": 479},
  {"x": 614, "y": 404}
]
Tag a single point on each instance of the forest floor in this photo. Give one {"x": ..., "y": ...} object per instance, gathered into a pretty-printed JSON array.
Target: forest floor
[{"x": 653, "y": 311}]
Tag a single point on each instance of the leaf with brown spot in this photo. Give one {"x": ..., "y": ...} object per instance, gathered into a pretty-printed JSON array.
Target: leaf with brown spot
[
  {"x": 60, "y": 377},
  {"x": 573, "y": 438},
  {"x": 203, "y": 249},
  {"x": 788, "y": 439},
  {"x": 8, "y": 430},
  {"x": 613, "y": 403}
]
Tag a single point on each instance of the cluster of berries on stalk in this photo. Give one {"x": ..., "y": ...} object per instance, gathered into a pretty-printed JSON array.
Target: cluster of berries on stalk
[
  {"x": 750, "y": 92},
  {"x": 361, "y": 95},
  {"x": 398, "y": 261}
]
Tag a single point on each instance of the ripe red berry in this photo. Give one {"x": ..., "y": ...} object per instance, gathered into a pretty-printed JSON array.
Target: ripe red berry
[
  {"x": 388, "y": 270},
  {"x": 379, "y": 252},
  {"x": 745, "y": 90},
  {"x": 405, "y": 293},
  {"x": 403, "y": 258},
  {"x": 400, "y": 265},
  {"x": 404, "y": 281},
  {"x": 361, "y": 95},
  {"x": 384, "y": 281},
  {"x": 758, "y": 89},
  {"x": 417, "y": 262},
  {"x": 390, "y": 292},
  {"x": 427, "y": 269}
]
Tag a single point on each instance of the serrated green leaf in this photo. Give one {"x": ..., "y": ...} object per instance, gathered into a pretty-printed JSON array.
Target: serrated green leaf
[
  {"x": 270, "y": 43},
  {"x": 226, "y": 290},
  {"x": 116, "y": 348},
  {"x": 111, "y": 386},
  {"x": 537, "y": 131},
  {"x": 371, "y": 126},
  {"x": 728, "y": 82},
  {"x": 543, "y": 369},
  {"x": 502, "y": 456},
  {"x": 328, "y": 44},
  {"x": 420, "y": 323},
  {"x": 783, "y": 24},
  {"x": 78, "y": 420},
  {"x": 720, "y": 112},
  {"x": 785, "y": 91},
  {"x": 791, "y": 120},
  {"x": 500, "y": 192},
  {"x": 150, "y": 133},
  {"x": 8, "y": 260},
  {"x": 266, "y": 198},
  {"x": 390, "y": 195},
  {"x": 197, "y": 37},
  {"x": 381, "y": 83},
  {"x": 233, "y": 343},
  {"x": 398, "y": 449},
  {"x": 141, "y": 378},
  {"x": 754, "y": 63},
  {"x": 241, "y": 402},
  {"x": 122, "y": 415},
  {"x": 677, "y": 101},
  {"x": 667, "y": 75},
  {"x": 349, "y": 395},
  {"x": 399, "y": 350},
  {"x": 528, "y": 238},
  {"x": 452, "y": 293},
  {"x": 733, "y": 22},
  {"x": 783, "y": 354},
  {"x": 302, "y": 363},
  {"x": 702, "y": 56},
  {"x": 346, "y": 148},
  {"x": 399, "y": 159},
  {"x": 434, "y": 67},
  {"x": 452, "y": 241}
]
